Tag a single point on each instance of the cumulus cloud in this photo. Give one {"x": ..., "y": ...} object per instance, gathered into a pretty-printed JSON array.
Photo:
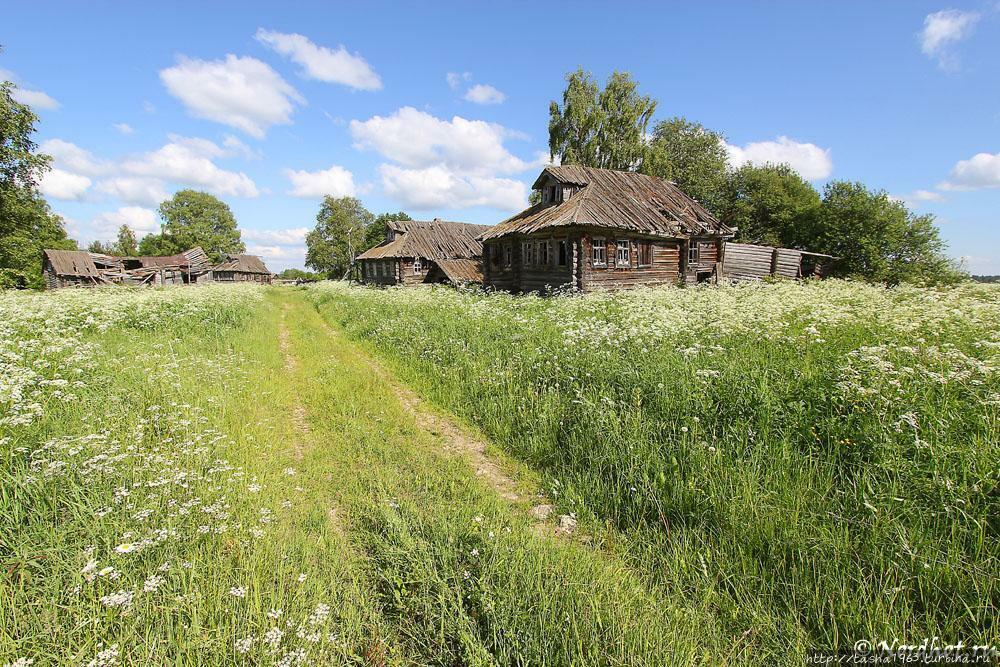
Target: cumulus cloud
[
  {"x": 335, "y": 181},
  {"x": 142, "y": 221},
  {"x": 944, "y": 29},
  {"x": 134, "y": 189},
  {"x": 188, "y": 161},
  {"x": 235, "y": 147},
  {"x": 124, "y": 128},
  {"x": 811, "y": 161},
  {"x": 33, "y": 98},
  {"x": 484, "y": 94},
  {"x": 71, "y": 157},
  {"x": 60, "y": 184},
  {"x": 291, "y": 236},
  {"x": 417, "y": 139},
  {"x": 440, "y": 187},
  {"x": 443, "y": 163},
  {"x": 244, "y": 93},
  {"x": 322, "y": 63},
  {"x": 980, "y": 172}
]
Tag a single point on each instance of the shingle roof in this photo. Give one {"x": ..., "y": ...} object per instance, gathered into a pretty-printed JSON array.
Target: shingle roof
[
  {"x": 433, "y": 239},
  {"x": 242, "y": 264},
  {"x": 615, "y": 200},
  {"x": 462, "y": 270},
  {"x": 72, "y": 263}
]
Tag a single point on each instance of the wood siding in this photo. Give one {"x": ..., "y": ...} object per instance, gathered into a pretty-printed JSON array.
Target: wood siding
[{"x": 664, "y": 270}]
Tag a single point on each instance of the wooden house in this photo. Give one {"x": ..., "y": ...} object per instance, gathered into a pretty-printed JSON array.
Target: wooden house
[
  {"x": 238, "y": 268},
  {"x": 416, "y": 252},
  {"x": 79, "y": 268},
  {"x": 597, "y": 228}
]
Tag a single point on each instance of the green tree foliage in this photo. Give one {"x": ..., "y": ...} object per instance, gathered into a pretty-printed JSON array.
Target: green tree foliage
[
  {"x": 27, "y": 224},
  {"x": 877, "y": 238},
  {"x": 770, "y": 205},
  {"x": 338, "y": 237},
  {"x": 375, "y": 232},
  {"x": 600, "y": 128},
  {"x": 102, "y": 247},
  {"x": 192, "y": 218},
  {"x": 126, "y": 245},
  {"x": 690, "y": 155},
  {"x": 299, "y": 274}
]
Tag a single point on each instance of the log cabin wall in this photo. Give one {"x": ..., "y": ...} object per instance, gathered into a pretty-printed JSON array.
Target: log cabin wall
[
  {"x": 501, "y": 264},
  {"x": 659, "y": 265}
]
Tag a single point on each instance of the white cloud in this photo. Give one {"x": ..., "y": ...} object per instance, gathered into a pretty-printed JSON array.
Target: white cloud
[
  {"x": 417, "y": 139},
  {"x": 980, "y": 172},
  {"x": 811, "y": 161},
  {"x": 292, "y": 236},
  {"x": 134, "y": 189},
  {"x": 335, "y": 181},
  {"x": 236, "y": 147},
  {"x": 60, "y": 184},
  {"x": 124, "y": 128},
  {"x": 188, "y": 161},
  {"x": 34, "y": 98},
  {"x": 148, "y": 106},
  {"x": 72, "y": 158},
  {"x": 322, "y": 63},
  {"x": 142, "y": 221},
  {"x": 440, "y": 187},
  {"x": 455, "y": 79},
  {"x": 244, "y": 93},
  {"x": 484, "y": 94},
  {"x": 944, "y": 29}
]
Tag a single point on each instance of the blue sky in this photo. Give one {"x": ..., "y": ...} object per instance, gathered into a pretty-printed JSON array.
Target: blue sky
[{"x": 441, "y": 109}]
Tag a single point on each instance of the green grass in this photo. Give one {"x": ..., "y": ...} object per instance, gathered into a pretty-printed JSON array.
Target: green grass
[{"x": 810, "y": 464}]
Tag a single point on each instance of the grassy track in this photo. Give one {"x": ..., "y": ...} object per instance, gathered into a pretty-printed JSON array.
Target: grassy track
[{"x": 209, "y": 496}]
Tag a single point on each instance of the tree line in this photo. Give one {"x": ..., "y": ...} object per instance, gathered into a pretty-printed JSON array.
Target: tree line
[{"x": 875, "y": 236}]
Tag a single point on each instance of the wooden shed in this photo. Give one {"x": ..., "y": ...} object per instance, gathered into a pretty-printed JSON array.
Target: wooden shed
[
  {"x": 416, "y": 252},
  {"x": 78, "y": 268},
  {"x": 70, "y": 268},
  {"x": 598, "y": 228},
  {"x": 744, "y": 261},
  {"x": 239, "y": 268}
]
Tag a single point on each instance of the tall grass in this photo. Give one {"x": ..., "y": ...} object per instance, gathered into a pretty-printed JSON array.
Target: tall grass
[{"x": 818, "y": 463}]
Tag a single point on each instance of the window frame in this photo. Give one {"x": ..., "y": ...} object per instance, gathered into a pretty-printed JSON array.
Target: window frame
[
  {"x": 527, "y": 253},
  {"x": 508, "y": 255},
  {"x": 544, "y": 256},
  {"x": 694, "y": 253},
  {"x": 600, "y": 244},
  {"x": 645, "y": 253},
  {"x": 418, "y": 266},
  {"x": 618, "y": 253},
  {"x": 562, "y": 253}
]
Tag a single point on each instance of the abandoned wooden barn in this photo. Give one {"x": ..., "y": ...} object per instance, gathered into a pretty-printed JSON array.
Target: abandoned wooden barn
[
  {"x": 416, "y": 252},
  {"x": 238, "y": 268},
  {"x": 597, "y": 228},
  {"x": 78, "y": 268}
]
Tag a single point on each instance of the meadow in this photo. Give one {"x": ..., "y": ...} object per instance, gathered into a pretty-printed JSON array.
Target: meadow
[{"x": 224, "y": 475}]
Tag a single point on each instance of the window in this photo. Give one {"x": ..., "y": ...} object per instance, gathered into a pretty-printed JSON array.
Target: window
[
  {"x": 494, "y": 251},
  {"x": 418, "y": 266},
  {"x": 567, "y": 192},
  {"x": 508, "y": 255},
  {"x": 645, "y": 254},
  {"x": 623, "y": 256},
  {"x": 562, "y": 253},
  {"x": 543, "y": 253},
  {"x": 553, "y": 190},
  {"x": 527, "y": 253},
  {"x": 600, "y": 253},
  {"x": 694, "y": 254}
]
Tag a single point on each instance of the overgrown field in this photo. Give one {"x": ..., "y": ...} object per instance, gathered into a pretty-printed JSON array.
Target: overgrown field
[
  {"x": 224, "y": 475},
  {"x": 812, "y": 464}
]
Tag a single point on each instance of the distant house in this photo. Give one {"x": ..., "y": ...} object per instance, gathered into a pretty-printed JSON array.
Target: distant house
[
  {"x": 597, "y": 228},
  {"x": 239, "y": 268},
  {"x": 417, "y": 252},
  {"x": 78, "y": 268}
]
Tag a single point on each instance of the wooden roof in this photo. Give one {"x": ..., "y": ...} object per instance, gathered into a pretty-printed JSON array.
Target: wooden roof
[
  {"x": 434, "y": 239},
  {"x": 615, "y": 200},
  {"x": 242, "y": 264},
  {"x": 72, "y": 263},
  {"x": 462, "y": 270}
]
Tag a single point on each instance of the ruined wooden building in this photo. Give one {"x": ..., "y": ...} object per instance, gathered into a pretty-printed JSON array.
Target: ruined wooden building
[
  {"x": 79, "y": 268},
  {"x": 603, "y": 229},
  {"x": 597, "y": 228},
  {"x": 417, "y": 252}
]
